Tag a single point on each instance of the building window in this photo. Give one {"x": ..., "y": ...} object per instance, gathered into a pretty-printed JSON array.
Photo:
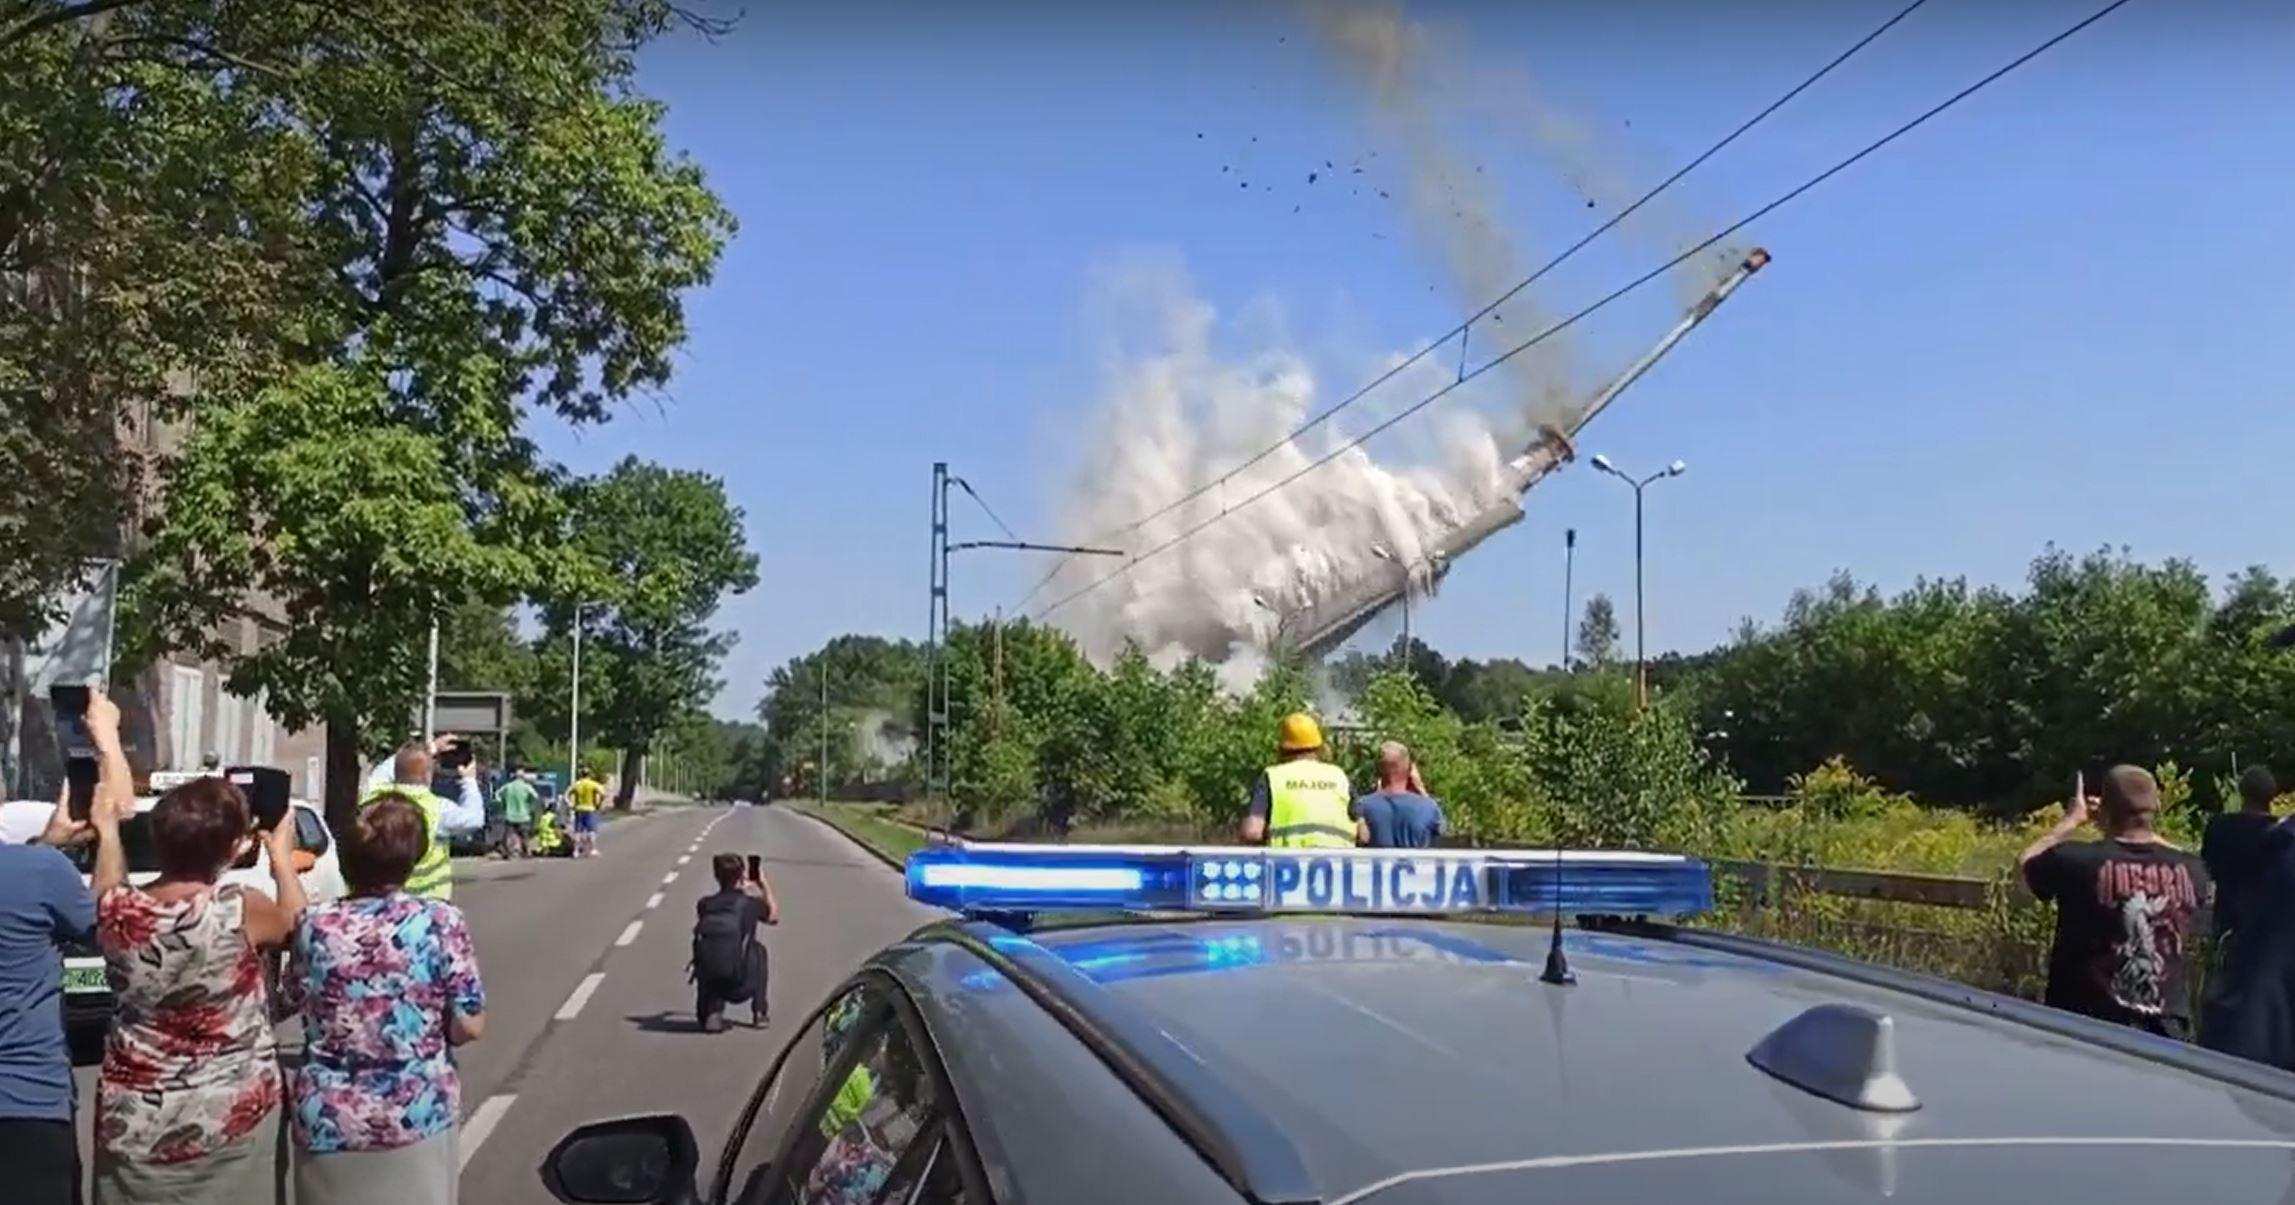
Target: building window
[
  {"x": 186, "y": 703},
  {"x": 230, "y": 710},
  {"x": 260, "y": 748}
]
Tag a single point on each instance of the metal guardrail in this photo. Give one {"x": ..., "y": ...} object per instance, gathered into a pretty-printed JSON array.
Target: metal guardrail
[{"x": 1768, "y": 880}]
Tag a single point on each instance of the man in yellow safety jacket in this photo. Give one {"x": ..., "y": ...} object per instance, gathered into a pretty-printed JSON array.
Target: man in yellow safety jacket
[
  {"x": 409, "y": 775},
  {"x": 1302, "y": 801}
]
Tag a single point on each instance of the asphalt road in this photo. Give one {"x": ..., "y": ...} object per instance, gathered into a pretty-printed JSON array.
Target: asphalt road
[{"x": 588, "y": 1011}]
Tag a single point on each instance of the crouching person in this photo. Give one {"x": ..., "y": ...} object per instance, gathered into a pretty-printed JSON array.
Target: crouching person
[{"x": 728, "y": 960}]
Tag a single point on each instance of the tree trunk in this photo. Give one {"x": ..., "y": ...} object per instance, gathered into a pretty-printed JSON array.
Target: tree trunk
[
  {"x": 633, "y": 764},
  {"x": 344, "y": 773}
]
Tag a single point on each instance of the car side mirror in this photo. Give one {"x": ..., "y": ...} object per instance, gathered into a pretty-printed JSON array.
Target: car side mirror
[{"x": 649, "y": 1160}]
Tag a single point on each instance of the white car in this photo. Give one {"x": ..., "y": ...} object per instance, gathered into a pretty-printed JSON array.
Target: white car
[{"x": 87, "y": 994}]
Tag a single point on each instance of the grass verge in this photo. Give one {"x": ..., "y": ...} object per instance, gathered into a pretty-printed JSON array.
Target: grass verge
[{"x": 870, "y": 825}]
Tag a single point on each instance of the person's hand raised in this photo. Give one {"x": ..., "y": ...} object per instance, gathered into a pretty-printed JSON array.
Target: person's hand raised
[
  {"x": 62, "y": 830},
  {"x": 103, "y": 719}
]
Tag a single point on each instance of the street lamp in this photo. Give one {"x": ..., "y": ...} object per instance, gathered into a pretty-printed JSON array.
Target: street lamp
[
  {"x": 574, "y": 706},
  {"x": 1641, "y": 648}
]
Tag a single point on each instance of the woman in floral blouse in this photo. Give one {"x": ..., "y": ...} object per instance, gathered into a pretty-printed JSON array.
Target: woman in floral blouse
[
  {"x": 187, "y": 1103},
  {"x": 387, "y": 987}
]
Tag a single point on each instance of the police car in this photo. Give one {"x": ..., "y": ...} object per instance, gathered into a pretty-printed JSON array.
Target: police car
[{"x": 1120, "y": 1026}]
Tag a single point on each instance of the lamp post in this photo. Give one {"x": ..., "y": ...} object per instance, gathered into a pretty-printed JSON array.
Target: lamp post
[
  {"x": 574, "y": 705},
  {"x": 1641, "y": 648}
]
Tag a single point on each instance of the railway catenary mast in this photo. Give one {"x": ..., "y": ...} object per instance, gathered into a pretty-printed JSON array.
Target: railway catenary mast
[{"x": 1323, "y": 625}]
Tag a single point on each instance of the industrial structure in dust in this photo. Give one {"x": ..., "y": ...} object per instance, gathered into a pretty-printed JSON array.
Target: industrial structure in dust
[{"x": 1320, "y": 625}]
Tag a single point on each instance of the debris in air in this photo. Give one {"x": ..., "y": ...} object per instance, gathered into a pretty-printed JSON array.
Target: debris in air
[
  {"x": 1199, "y": 133},
  {"x": 1310, "y": 177},
  {"x": 1294, "y": 209},
  {"x": 1383, "y": 194}
]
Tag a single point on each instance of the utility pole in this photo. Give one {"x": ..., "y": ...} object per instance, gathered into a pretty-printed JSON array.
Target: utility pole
[
  {"x": 1569, "y": 570},
  {"x": 574, "y": 708},
  {"x": 936, "y": 642},
  {"x": 430, "y": 693},
  {"x": 824, "y": 775}
]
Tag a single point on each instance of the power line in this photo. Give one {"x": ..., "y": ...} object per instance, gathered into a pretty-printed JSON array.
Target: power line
[
  {"x": 1612, "y": 296},
  {"x": 1459, "y": 332},
  {"x": 985, "y": 509}
]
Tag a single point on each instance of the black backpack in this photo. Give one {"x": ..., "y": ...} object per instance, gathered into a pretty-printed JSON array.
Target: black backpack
[{"x": 721, "y": 936}]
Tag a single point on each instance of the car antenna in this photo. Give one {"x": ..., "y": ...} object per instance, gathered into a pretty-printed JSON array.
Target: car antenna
[{"x": 1557, "y": 970}]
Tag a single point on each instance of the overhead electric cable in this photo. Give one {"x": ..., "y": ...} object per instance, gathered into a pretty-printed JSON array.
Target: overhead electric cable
[
  {"x": 1604, "y": 301},
  {"x": 1459, "y": 332}
]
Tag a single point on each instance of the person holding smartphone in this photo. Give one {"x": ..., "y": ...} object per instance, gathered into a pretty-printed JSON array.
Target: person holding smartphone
[
  {"x": 728, "y": 960},
  {"x": 43, "y": 908}
]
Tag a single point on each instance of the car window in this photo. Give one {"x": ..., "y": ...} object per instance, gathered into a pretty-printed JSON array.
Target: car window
[
  {"x": 879, "y": 1136},
  {"x": 310, "y": 835},
  {"x": 875, "y": 1129},
  {"x": 789, "y": 1090}
]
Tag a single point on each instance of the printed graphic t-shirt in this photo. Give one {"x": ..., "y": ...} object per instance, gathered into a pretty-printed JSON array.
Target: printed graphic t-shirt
[{"x": 2125, "y": 920}]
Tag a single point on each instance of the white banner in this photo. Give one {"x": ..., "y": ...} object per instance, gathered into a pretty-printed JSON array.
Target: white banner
[{"x": 77, "y": 650}]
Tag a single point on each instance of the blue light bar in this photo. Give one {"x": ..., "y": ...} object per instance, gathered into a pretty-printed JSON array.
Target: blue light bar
[{"x": 1049, "y": 878}]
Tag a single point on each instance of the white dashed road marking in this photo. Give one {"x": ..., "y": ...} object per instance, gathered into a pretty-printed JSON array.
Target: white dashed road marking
[
  {"x": 669, "y": 878},
  {"x": 629, "y": 934},
  {"x": 588, "y": 987},
  {"x": 684, "y": 858},
  {"x": 481, "y": 1124},
  {"x": 653, "y": 901}
]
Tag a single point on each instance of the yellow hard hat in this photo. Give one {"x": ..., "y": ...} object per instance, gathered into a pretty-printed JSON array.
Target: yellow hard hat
[{"x": 1299, "y": 733}]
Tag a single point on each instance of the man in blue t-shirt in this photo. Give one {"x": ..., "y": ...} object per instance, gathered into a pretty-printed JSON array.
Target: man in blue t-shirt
[
  {"x": 43, "y": 907},
  {"x": 1399, "y": 814}
]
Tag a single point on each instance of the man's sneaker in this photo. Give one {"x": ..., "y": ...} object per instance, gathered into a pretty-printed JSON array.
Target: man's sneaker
[{"x": 714, "y": 1023}]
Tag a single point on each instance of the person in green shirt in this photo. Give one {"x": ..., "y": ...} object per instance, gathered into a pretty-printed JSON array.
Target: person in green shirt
[{"x": 518, "y": 798}]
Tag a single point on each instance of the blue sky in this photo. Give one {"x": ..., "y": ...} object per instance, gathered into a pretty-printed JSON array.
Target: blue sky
[{"x": 2059, "y": 313}]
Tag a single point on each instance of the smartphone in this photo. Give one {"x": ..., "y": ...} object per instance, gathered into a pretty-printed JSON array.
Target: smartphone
[
  {"x": 756, "y": 875},
  {"x": 69, "y": 704},
  {"x": 80, "y": 787},
  {"x": 266, "y": 789}
]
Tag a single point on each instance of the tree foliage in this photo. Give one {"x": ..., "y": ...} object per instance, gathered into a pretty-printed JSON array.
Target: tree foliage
[
  {"x": 665, "y": 547},
  {"x": 444, "y": 220},
  {"x": 870, "y": 680},
  {"x": 1598, "y": 633},
  {"x": 1992, "y": 700}
]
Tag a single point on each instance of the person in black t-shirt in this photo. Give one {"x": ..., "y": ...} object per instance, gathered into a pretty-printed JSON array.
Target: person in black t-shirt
[
  {"x": 2125, "y": 909},
  {"x": 728, "y": 960},
  {"x": 2233, "y": 851}
]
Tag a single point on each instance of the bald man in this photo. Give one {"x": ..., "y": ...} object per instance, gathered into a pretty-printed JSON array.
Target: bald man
[
  {"x": 2126, "y": 907},
  {"x": 1399, "y": 815}
]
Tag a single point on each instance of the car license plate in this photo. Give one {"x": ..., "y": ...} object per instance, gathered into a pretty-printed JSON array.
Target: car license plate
[
  {"x": 1354, "y": 882},
  {"x": 82, "y": 979}
]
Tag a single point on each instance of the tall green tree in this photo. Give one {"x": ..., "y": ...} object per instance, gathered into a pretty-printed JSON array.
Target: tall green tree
[
  {"x": 668, "y": 548},
  {"x": 456, "y": 220},
  {"x": 1598, "y": 633}
]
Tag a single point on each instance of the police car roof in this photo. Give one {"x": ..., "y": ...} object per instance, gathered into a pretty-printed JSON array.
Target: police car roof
[{"x": 1424, "y": 1060}]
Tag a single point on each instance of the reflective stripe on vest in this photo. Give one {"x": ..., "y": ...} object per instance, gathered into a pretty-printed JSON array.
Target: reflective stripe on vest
[
  {"x": 1308, "y": 806},
  {"x": 433, "y": 875}
]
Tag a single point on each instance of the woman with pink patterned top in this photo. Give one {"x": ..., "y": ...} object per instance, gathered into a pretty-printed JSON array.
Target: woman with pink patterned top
[
  {"x": 187, "y": 1103},
  {"x": 387, "y": 986}
]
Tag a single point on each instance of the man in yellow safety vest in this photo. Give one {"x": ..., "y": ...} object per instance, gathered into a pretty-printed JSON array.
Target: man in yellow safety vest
[
  {"x": 1302, "y": 801},
  {"x": 408, "y": 774}
]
